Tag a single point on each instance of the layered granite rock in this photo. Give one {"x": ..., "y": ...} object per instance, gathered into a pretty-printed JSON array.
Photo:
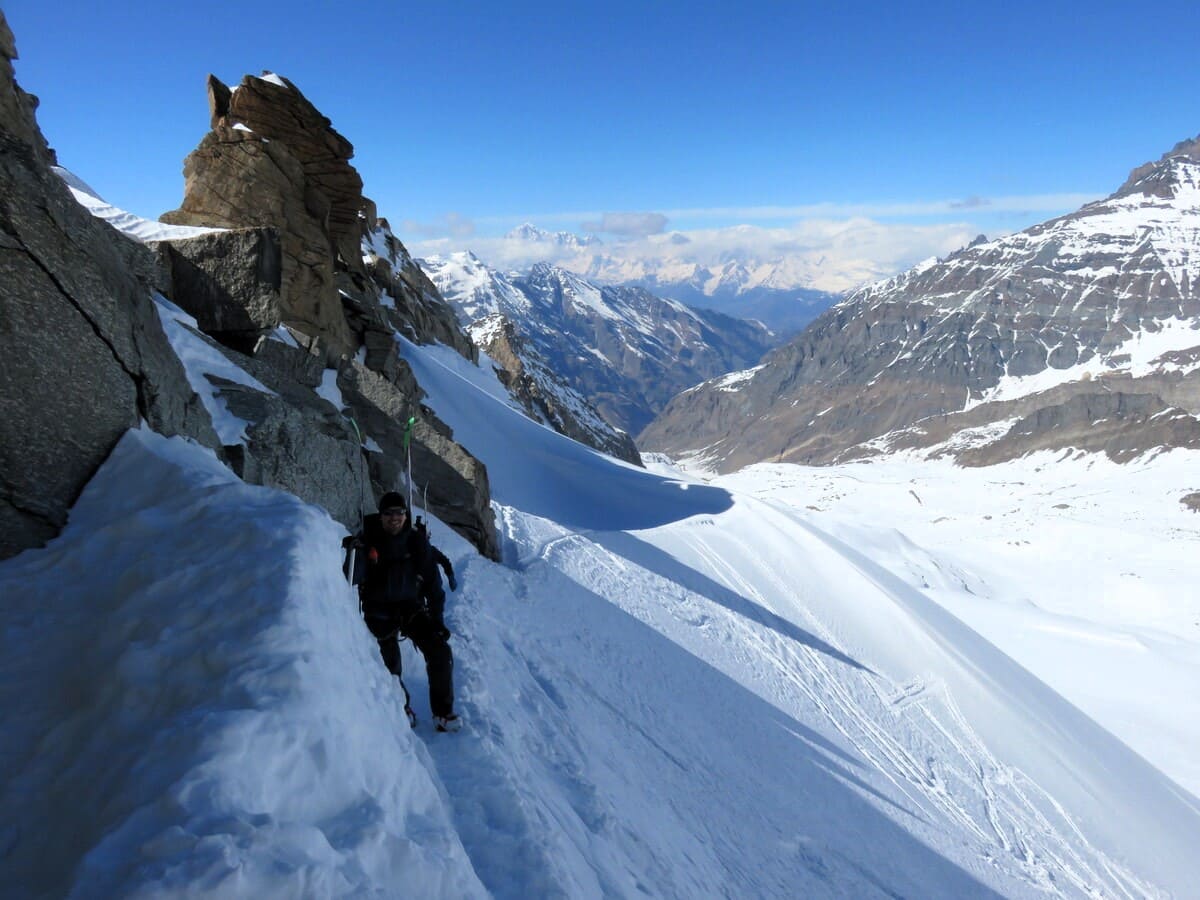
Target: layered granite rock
[
  {"x": 240, "y": 177},
  {"x": 272, "y": 160},
  {"x": 1101, "y": 302}
]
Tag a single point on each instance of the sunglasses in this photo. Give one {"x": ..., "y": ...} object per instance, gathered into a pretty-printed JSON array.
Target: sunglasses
[{"x": 394, "y": 513}]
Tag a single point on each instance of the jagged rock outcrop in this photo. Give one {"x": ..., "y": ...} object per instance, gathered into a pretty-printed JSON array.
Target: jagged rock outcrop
[
  {"x": 91, "y": 353},
  {"x": 70, "y": 390},
  {"x": 242, "y": 177},
  {"x": 544, "y": 396},
  {"x": 273, "y": 108},
  {"x": 273, "y": 160},
  {"x": 1080, "y": 332},
  {"x": 340, "y": 281}
]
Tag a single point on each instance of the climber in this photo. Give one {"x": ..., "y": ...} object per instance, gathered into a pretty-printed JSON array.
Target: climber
[{"x": 396, "y": 570}]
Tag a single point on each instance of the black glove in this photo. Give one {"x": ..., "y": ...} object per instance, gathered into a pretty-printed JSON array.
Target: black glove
[
  {"x": 451, "y": 582},
  {"x": 354, "y": 541}
]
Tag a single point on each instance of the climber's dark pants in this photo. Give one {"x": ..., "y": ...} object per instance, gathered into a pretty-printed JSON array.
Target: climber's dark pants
[{"x": 439, "y": 661}]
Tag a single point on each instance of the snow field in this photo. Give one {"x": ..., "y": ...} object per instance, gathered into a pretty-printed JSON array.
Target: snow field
[{"x": 1080, "y": 569}]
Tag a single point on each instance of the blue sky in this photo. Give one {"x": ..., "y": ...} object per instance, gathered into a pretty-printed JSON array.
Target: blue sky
[{"x": 473, "y": 117}]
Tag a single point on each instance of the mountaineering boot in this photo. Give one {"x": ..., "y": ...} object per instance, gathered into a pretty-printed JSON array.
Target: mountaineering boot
[
  {"x": 448, "y": 723},
  {"x": 412, "y": 716}
]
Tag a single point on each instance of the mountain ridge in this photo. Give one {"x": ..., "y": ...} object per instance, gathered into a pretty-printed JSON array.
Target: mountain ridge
[
  {"x": 624, "y": 349},
  {"x": 1037, "y": 327}
]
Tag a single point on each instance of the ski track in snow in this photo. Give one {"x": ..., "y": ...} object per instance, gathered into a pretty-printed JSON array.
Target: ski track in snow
[{"x": 940, "y": 773}]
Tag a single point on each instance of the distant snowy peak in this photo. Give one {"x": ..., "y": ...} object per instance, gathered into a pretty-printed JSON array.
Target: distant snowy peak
[
  {"x": 507, "y": 324},
  {"x": 740, "y": 271},
  {"x": 721, "y": 283},
  {"x": 1175, "y": 173},
  {"x": 474, "y": 289},
  {"x": 633, "y": 307},
  {"x": 1155, "y": 210},
  {"x": 530, "y": 233}
]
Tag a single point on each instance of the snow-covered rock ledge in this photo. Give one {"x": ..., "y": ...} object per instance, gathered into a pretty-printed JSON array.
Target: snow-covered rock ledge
[{"x": 242, "y": 740}]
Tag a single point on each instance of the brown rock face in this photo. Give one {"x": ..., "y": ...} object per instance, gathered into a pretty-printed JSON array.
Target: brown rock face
[
  {"x": 273, "y": 160},
  {"x": 274, "y": 165},
  {"x": 282, "y": 113}
]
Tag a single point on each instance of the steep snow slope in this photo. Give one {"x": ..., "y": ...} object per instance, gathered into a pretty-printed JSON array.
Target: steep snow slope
[
  {"x": 944, "y": 735},
  {"x": 193, "y": 708}
]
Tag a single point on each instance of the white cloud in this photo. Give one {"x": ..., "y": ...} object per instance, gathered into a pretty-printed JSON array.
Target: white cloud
[
  {"x": 1023, "y": 204},
  {"x": 452, "y": 224},
  {"x": 628, "y": 224},
  {"x": 828, "y": 254},
  {"x": 830, "y": 246}
]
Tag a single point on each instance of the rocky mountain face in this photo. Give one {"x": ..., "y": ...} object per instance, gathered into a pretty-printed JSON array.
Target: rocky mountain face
[
  {"x": 295, "y": 282},
  {"x": 542, "y": 394},
  {"x": 83, "y": 354},
  {"x": 1082, "y": 332},
  {"x": 626, "y": 351},
  {"x": 341, "y": 284},
  {"x": 272, "y": 160}
]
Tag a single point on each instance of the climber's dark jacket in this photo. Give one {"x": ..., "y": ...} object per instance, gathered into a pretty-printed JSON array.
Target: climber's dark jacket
[{"x": 397, "y": 577}]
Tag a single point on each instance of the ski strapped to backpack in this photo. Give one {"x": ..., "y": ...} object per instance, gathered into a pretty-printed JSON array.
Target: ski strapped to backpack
[{"x": 408, "y": 429}]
